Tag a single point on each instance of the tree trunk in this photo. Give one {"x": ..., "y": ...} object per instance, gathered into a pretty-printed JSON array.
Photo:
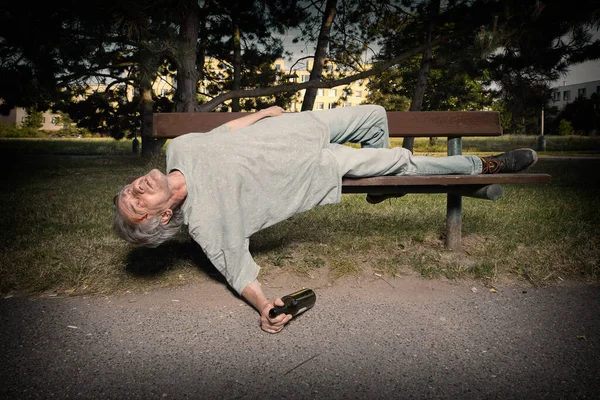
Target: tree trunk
[
  {"x": 187, "y": 82},
  {"x": 203, "y": 41},
  {"x": 146, "y": 75},
  {"x": 320, "y": 54},
  {"x": 237, "y": 59},
  {"x": 421, "y": 86},
  {"x": 150, "y": 146},
  {"x": 187, "y": 71}
]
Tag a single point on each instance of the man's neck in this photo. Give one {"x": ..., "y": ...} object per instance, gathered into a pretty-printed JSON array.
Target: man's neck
[{"x": 178, "y": 187}]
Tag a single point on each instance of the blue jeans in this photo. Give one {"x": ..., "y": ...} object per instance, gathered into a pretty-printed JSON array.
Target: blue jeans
[{"x": 368, "y": 126}]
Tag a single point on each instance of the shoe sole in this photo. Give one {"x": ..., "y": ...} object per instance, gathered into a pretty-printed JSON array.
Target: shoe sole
[{"x": 383, "y": 198}]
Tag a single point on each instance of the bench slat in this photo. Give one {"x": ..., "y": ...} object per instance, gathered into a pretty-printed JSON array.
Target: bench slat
[
  {"x": 483, "y": 179},
  {"x": 444, "y": 123},
  {"x": 170, "y": 125},
  {"x": 401, "y": 124},
  {"x": 484, "y": 192}
]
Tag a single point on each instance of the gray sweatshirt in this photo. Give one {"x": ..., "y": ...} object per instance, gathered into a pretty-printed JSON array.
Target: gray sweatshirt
[{"x": 242, "y": 181}]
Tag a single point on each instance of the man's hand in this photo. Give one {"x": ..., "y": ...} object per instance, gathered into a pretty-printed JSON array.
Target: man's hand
[
  {"x": 272, "y": 111},
  {"x": 255, "y": 296},
  {"x": 273, "y": 325},
  {"x": 251, "y": 118}
]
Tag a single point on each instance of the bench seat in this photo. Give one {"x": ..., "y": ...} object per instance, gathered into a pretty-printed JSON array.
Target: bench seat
[{"x": 367, "y": 183}]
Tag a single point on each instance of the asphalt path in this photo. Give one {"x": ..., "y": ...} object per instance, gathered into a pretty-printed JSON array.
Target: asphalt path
[{"x": 364, "y": 339}]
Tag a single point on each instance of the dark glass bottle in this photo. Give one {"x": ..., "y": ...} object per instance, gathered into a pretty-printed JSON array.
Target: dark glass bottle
[{"x": 295, "y": 303}]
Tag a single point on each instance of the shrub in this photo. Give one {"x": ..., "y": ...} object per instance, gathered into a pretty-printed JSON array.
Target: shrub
[
  {"x": 565, "y": 128},
  {"x": 11, "y": 131},
  {"x": 7, "y": 130}
]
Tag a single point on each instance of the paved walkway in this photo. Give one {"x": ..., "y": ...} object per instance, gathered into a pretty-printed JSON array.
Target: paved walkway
[{"x": 364, "y": 339}]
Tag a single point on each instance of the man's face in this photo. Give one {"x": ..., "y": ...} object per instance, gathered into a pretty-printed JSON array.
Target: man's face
[{"x": 146, "y": 197}]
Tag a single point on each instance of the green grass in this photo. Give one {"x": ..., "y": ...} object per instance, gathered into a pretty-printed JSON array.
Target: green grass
[
  {"x": 79, "y": 147},
  {"x": 56, "y": 227},
  {"x": 539, "y": 233},
  {"x": 555, "y": 145}
]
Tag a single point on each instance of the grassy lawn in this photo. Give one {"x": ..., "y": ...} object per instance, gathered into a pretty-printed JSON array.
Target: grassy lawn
[
  {"x": 555, "y": 145},
  {"x": 90, "y": 147},
  {"x": 56, "y": 226}
]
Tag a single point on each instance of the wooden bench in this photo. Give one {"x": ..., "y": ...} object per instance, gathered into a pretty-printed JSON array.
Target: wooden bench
[{"x": 451, "y": 124}]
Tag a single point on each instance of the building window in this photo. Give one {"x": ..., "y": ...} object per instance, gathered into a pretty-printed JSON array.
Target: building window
[
  {"x": 581, "y": 92},
  {"x": 305, "y": 78},
  {"x": 320, "y": 92},
  {"x": 567, "y": 95},
  {"x": 319, "y": 106},
  {"x": 164, "y": 92},
  {"x": 556, "y": 96},
  {"x": 333, "y": 92},
  {"x": 358, "y": 93},
  {"x": 55, "y": 120},
  {"x": 293, "y": 106},
  {"x": 331, "y": 106},
  {"x": 278, "y": 67},
  {"x": 43, "y": 120}
]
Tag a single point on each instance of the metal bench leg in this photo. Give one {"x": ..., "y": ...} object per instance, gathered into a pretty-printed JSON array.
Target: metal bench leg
[
  {"x": 454, "y": 204},
  {"x": 453, "y": 221}
]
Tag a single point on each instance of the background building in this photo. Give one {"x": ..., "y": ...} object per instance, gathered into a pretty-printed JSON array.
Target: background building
[
  {"x": 563, "y": 95},
  {"x": 340, "y": 96},
  {"x": 18, "y": 116}
]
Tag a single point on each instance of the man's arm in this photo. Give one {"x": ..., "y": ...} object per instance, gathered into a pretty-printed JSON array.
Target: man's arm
[
  {"x": 254, "y": 117},
  {"x": 255, "y": 296}
]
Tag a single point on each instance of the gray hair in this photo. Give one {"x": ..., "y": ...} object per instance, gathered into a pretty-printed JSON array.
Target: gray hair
[{"x": 151, "y": 233}]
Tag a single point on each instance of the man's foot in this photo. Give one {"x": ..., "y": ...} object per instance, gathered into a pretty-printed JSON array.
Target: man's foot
[
  {"x": 512, "y": 161},
  {"x": 376, "y": 198}
]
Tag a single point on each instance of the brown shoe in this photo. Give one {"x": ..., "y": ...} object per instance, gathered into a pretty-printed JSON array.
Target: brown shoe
[
  {"x": 376, "y": 198},
  {"x": 512, "y": 161}
]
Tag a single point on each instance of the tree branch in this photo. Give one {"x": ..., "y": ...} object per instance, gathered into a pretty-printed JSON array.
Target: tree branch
[
  {"x": 294, "y": 87},
  {"x": 297, "y": 61}
]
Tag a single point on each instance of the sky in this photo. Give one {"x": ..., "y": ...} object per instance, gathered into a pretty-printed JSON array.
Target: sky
[{"x": 585, "y": 72}]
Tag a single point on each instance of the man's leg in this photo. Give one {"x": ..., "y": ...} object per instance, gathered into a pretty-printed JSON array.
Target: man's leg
[
  {"x": 364, "y": 124},
  {"x": 368, "y": 125},
  {"x": 362, "y": 163},
  {"x": 368, "y": 162}
]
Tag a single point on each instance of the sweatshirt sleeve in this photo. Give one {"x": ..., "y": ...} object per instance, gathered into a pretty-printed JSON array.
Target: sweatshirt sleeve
[{"x": 237, "y": 266}]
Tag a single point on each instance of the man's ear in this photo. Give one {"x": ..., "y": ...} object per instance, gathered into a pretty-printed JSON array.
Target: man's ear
[{"x": 166, "y": 215}]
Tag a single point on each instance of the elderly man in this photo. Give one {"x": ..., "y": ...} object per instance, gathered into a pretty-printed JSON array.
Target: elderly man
[{"x": 261, "y": 169}]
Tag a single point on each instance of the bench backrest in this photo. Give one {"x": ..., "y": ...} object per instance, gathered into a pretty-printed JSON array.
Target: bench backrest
[{"x": 401, "y": 124}]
